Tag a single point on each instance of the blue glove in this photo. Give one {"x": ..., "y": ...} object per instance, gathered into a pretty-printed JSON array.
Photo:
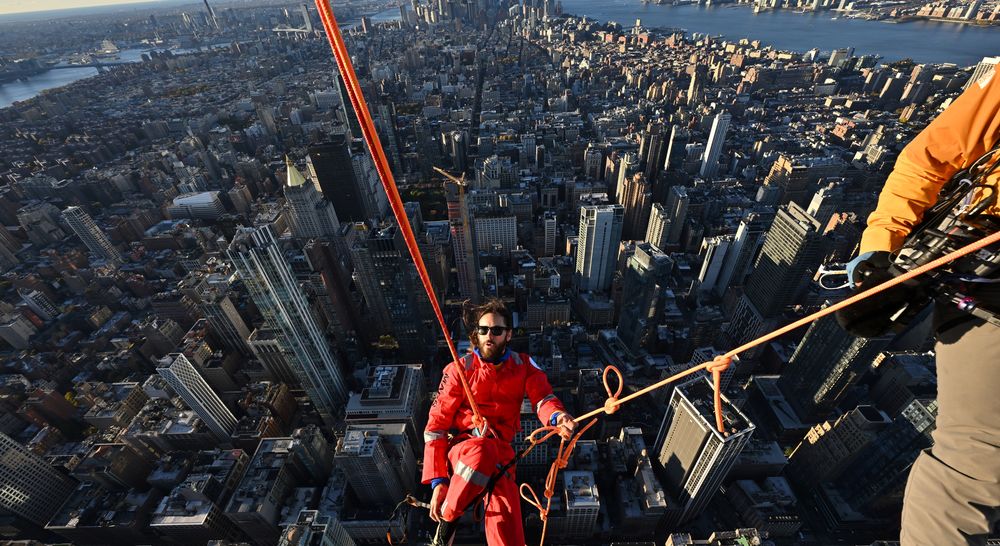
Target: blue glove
[
  {"x": 873, "y": 262},
  {"x": 438, "y": 481}
]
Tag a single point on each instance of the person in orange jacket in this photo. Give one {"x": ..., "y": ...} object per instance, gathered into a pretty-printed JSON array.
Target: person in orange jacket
[
  {"x": 952, "y": 495},
  {"x": 458, "y": 462}
]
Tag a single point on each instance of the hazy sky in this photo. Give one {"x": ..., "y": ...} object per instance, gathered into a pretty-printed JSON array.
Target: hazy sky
[{"x": 21, "y": 6}]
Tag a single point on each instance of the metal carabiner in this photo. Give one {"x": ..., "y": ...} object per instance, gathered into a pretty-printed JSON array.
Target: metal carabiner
[{"x": 836, "y": 270}]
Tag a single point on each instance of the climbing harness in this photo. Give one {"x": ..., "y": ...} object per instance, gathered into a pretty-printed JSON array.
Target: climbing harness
[{"x": 715, "y": 367}]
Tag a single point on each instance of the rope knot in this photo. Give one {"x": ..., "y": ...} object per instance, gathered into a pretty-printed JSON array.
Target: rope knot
[
  {"x": 719, "y": 364},
  {"x": 611, "y": 404}
]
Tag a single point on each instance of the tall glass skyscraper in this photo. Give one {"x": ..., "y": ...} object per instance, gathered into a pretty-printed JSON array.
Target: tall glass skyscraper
[{"x": 262, "y": 266}]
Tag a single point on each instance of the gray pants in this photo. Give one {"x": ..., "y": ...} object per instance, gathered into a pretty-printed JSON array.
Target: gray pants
[{"x": 953, "y": 492}]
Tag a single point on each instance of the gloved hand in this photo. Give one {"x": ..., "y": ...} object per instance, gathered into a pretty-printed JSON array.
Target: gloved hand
[
  {"x": 875, "y": 315},
  {"x": 874, "y": 263}
]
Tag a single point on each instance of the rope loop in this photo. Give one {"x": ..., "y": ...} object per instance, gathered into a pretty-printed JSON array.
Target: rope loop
[
  {"x": 542, "y": 512},
  {"x": 611, "y": 404}
]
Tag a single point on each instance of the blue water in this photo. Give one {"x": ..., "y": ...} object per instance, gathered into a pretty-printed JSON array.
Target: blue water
[{"x": 922, "y": 41}]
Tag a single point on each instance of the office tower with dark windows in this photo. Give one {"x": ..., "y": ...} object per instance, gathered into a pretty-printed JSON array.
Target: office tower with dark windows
[
  {"x": 365, "y": 460},
  {"x": 597, "y": 249},
  {"x": 330, "y": 165},
  {"x": 653, "y": 146},
  {"x": 32, "y": 489},
  {"x": 309, "y": 215},
  {"x": 262, "y": 265},
  {"x": 182, "y": 376},
  {"x": 676, "y": 148},
  {"x": 86, "y": 229},
  {"x": 677, "y": 209},
  {"x": 792, "y": 248},
  {"x": 877, "y": 477},
  {"x": 637, "y": 198},
  {"x": 742, "y": 252},
  {"x": 716, "y": 139},
  {"x": 39, "y": 303},
  {"x": 628, "y": 166},
  {"x": 831, "y": 447},
  {"x": 463, "y": 241},
  {"x": 695, "y": 456},
  {"x": 825, "y": 365},
  {"x": 645, "y": 279}
]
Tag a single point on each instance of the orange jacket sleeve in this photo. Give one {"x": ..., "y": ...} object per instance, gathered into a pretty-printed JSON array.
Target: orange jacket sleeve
[
  {"x": 539, "y": 392},
  {"x": 439, "y": 421},
  {"x": 956, "y": 138}
]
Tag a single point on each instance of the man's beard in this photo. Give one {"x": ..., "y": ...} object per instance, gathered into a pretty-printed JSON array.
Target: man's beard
[{"x": 492, "y": 352}]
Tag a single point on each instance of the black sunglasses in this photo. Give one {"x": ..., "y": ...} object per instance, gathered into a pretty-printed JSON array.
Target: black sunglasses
[{"x": 495, "y": 330}]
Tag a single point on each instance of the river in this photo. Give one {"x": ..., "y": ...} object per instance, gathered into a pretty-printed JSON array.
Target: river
[{"x": 922, "y": 41}]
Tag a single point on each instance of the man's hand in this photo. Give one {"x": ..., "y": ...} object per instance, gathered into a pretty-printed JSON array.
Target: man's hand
[
  {"x": 877, "y": 314},
  {"x": 869, "y": 268},
  {"x": 437, "y": 499},
  {"x": 566, "y": 426}
]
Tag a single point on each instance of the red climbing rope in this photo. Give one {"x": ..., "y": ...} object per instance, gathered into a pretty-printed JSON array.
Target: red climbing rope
[{"x": 389, "y": 183}]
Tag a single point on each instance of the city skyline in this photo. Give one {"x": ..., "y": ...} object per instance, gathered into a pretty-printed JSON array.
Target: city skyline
[{"x": 212, "y": 328}]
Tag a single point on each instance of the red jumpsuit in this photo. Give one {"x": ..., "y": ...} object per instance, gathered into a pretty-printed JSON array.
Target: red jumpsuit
[{"x": 471, "y": 461}]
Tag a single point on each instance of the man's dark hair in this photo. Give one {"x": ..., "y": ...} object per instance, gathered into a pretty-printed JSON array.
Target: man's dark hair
[{"x": 475, "y": 312}]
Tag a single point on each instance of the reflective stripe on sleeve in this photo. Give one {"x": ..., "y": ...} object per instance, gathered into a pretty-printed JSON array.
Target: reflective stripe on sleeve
[{"x": 431, "y": 435}]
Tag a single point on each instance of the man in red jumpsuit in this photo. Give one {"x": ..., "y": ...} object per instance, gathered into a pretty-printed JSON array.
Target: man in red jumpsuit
[{"x": 499, "y": 380}]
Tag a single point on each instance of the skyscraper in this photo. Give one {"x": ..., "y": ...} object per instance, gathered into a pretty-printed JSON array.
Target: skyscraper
[
  {"x": 550, "y": 222},
  {"x": 878, "y": 475},
  {"x": 658, "y": 229},
  {"x": 463, "y": 242},
  {"x": 309, "y": 215},
  {"x": 330, "y": 166},
  {"x": 597, "y": 247},
  {"x": 985, "y": 66},
  {"x": 716, "y": 139},
  {"x": 676, "y": 151},
  {"x": 32, "y": 489},
  {"x": 637, "y": 198},
  {"x": 83, "y": 225},
  {"x": 653, "y": 149},
  {"x": 645, "y": 279},
  {"x": 831, "y": 447},
  {"x": 182, "y": 376},
  {"x": 742, "y": 252},
  {"x": 365, "y": 461},
  {"x": 583, "y": 503},
  {"x": 695, "y": 456},
  {"x": 827, "y": 362},
  {"x": 272, "y": 285},
  {"x": 627, "y": 167},
  {"x": 715, "y": 251},
  {"x": 39, "y": 303},
  {"x": 791, "y": 247},
  {"x": 677, "y": 205}
]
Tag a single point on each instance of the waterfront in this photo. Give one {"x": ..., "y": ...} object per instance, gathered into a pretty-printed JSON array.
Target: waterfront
[{"x": 922, "y": 41}]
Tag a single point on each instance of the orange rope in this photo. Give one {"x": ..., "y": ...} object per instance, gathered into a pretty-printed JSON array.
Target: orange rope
[{"x": 388, "y": 182}]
